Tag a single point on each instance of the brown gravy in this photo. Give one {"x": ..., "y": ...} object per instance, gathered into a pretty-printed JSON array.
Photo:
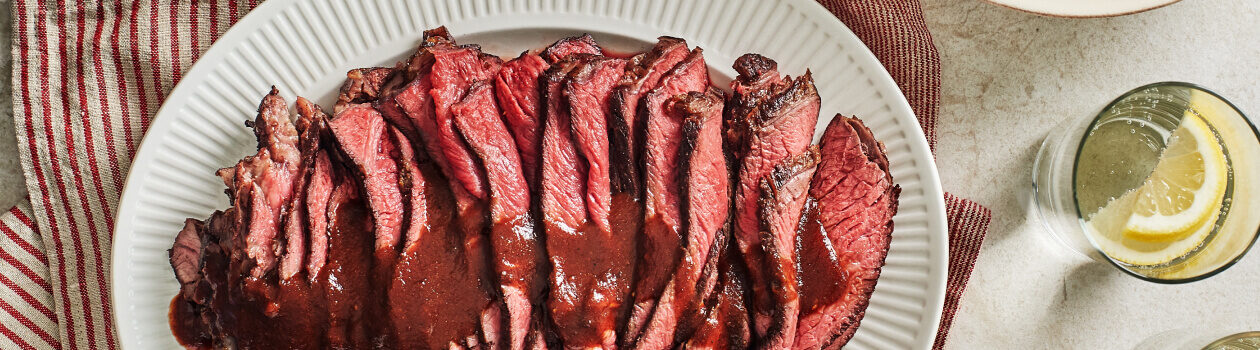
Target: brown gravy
[
  {"x": 592, "y": 272},
  {"x": 821, "y": 279},
  {"x": 436, "y": 294}
]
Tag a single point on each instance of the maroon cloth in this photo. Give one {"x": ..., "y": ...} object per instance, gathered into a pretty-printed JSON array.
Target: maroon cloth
[{"x": 895, "y": 31}]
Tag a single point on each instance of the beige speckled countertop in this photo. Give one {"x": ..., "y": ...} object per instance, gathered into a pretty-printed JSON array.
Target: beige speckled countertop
[{"x": 1009, "y": 77}]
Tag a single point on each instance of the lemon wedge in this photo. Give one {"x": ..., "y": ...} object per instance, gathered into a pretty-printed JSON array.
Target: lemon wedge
[
  {"x": 1175, "y": 208},
  {"x": 1106, "y": 229},
  {"x": 1185, "y": 189}
]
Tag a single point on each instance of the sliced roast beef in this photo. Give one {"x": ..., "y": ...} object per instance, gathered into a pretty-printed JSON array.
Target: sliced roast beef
[
  {"x": 313, "y": 124},
  {"x": 454, "y": 70},
  {"x": 192, "y": 308},
  {"x": 220, "y": 228},
  {"x": 263, "y": 184},
  {"x": 318, "y": 194},
  {"x": 364, "y": 137},
  {"x": 781, "y": 204},
  {"x": 517, "y": 252},
  {"x": 408, "y": 221},
  {"x": 411, "y": 184},
  {"x": 563, "y": 185},
  {"x": 662, "y": 240},
  {"x": 436, "y": 265},
  {"x": 416, "y": 103},
  {"x": 589, "y": 287},
  {"x": 278, "y": 137},
  {"x": 310, "y": 127},
  {"x": 856, "y": 203},
  {"x": 822, "y": 284},
  {"x": 470, "y": 212},
  {"x": 516, "y": 87},
  {"x": 726, "y": 324},
  {"x": 414, "y": 98},
  {"x": 588, "y": 91},
  {"x": 569, "y": 47},
  {"x": 704, "y": 183},
  {"x": 626, "y": 129},
  {"x": 707, "y": 288},
  {"x": 781, "y": 128},
  {"x": 185, "y": 256},
  {"x": 405, "y": 75}
]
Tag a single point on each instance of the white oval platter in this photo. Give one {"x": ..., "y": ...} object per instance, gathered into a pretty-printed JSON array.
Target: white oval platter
[{"x": 305, "y": 47}]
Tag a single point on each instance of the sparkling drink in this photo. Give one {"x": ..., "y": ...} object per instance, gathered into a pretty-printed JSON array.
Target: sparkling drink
[{"x": 1150, "y": 183}]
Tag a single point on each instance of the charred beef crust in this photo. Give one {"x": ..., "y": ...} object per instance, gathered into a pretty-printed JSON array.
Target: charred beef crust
[
  {"x": 569, "y": 47},
  {"x": 799, "y": 90},
  {"x": 754, "y": 68},
  {"x": 758, "y": 79},
  {"x": 362, "y": 85}
]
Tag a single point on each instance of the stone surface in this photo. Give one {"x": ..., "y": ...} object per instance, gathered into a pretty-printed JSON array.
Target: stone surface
[
  {"x": 12, "y": 186},
  {"x": 1008, "y": 78}
]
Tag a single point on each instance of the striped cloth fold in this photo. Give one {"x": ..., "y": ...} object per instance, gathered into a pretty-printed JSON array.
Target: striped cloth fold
[
  {"x": 27, "y": 320},
  {"x": 88, "y": 76}
]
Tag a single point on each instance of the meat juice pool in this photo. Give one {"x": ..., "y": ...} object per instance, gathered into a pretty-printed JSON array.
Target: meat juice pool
[{"x": 1152, "y": 180}]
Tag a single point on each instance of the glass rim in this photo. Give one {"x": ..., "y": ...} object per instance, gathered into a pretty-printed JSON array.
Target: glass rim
[{"x": 1254, "y": 131}]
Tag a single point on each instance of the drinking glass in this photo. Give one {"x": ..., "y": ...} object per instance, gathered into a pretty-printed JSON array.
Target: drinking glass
[
  {"x": 1151, "y": 109},
  {"x": 1201, "y": 338}
]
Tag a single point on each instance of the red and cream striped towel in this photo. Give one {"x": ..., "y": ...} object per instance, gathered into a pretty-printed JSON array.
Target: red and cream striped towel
[{"x": 88, "y": 76}]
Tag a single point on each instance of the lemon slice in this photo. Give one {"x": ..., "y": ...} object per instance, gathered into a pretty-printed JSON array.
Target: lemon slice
[
  {"x": 1106, "y": 230},
  {"x": 1184, "y": 190}
]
